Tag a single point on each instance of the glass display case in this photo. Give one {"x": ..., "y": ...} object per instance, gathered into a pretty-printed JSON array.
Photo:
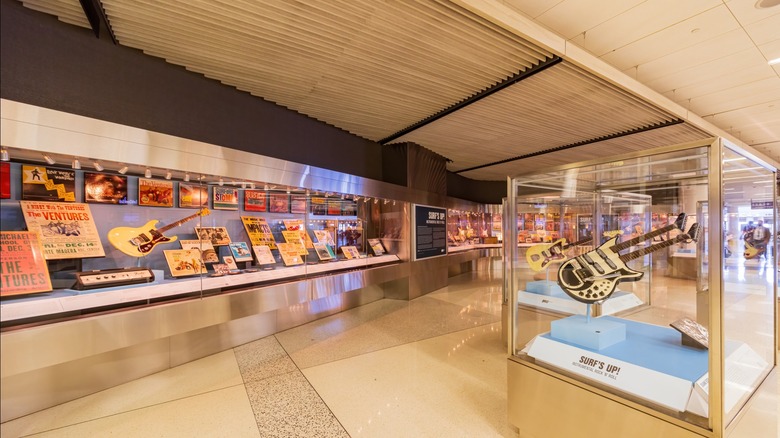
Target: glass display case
[
  {"x": 84, "y": 236},
  {"x": 470, "y": 229},
  {"x": 633, "y": 295}
]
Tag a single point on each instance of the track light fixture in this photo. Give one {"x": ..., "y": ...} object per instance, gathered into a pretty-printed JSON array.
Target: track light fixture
[
  {"x": 123, "y": 170},
  {"x": 221, "y": 181},
  {"x": 49, "y": 160},
  {"x": 168, "y": 175},
  {"x": 99, "y": 167},
  {"x": 4, "y": 155},
  {"x": 76, "y": 164},
  {"x": 186, "y": 177},
  {"x": 148, "y": 173}
]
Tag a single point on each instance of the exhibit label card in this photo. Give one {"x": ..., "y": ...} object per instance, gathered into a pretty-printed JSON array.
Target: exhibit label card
[
  {"x": 429, "y": 236},
  {"x": 264, "y": 255},
  {"x": 47, "y": 184},
  {"x": 155, "y": 193},
  {"x": 105, "y": 189},
  {"x": 258, "y": 231},
  {"x": 67, "y": 230},
  {"x": 184, "y": 262},
  {"x": 225, "y": 198},
  {"x": 23, "y": 269}
]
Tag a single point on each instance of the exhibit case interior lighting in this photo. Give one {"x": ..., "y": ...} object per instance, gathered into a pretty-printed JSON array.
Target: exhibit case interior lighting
[{"x": 642, "y": 291}]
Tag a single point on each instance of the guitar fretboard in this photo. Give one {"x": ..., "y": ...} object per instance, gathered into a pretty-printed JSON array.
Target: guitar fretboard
[
  {"x": 179, "y": 222},
  {"x": 652, "y": 248},
  {"x": 629, "y": 243},
  {"x": 579, "y": 242}
]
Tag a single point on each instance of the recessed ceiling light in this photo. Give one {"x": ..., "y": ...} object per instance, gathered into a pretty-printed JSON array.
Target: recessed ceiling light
[
  {"x": 763, "y": 4},
  {"x": 774, "y": 61}
]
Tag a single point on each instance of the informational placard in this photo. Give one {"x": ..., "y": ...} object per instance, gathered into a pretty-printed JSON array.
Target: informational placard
[
  {"x": 67, "y": 229},
  {"x": 23, "y": 269},
  {"x": 429, "y": 238}
]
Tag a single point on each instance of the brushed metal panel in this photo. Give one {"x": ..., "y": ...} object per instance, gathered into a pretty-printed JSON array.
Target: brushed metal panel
[
  {"x": 204, "y": 342},
  {"x": 538, "y": 402},
  {"x": 426, "y": 278},
  {"x": 309, "y": 311},
  {"x": 42, "y": 388}
]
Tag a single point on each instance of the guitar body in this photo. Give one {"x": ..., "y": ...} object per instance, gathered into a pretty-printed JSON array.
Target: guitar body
[
  {"x": 140, "y": 241},
  {"x": 752, "y": 251},
  {"x": 539, "y": 256},
  {"x": 592, "y": 277}
]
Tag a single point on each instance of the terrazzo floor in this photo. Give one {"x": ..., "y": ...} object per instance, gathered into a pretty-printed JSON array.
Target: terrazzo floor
[{"x": 430, "y": 367}]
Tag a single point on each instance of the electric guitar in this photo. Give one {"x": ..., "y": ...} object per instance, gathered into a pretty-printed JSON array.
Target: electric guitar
[
  {"x": 752, "y": 251},
  {"x": 593, "y": 276},
  {"x": 138, "y": 242},
  {"x": 539, "y": 256}
]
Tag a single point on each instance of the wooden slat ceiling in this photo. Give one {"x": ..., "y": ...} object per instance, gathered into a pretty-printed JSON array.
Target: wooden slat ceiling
[{"x": 374, "y": 68}]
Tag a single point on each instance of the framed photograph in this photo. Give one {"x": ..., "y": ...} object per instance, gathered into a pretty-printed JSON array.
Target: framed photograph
[
  {"x": 193, "y": 195},
  {"x": 318, "y": 205},
  {"x": 255, "y": 200},
  {"x": 207, "y": 252},
  {"x": 240, "y": 251},
  {"x": 278, "y": 202},
  {"x": 40, "y": 183},
  {"x": 101, "y": 188},
  {"x": 216, "y": 235},
  {"x": 155, "y": 193},
  {"x": 264, "y": 255},
  {"x": 183, "y": 262},
  {"x": 24, "y": 268},
  {"x": 225, "y": 198},
  {"x": 324, "y": 252},
  {"x": 298, "y": 204}
]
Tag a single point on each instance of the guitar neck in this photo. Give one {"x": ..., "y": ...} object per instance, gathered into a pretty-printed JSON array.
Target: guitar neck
[
  {"x": 179, "y": 222},
  {"x": 629, "y": 243},
  {"x": 652, "y": 248},
  {"x": 579, "y": 242}
]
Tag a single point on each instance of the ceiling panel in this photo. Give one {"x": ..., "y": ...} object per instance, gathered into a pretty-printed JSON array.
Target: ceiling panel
[
  {"x": 723, "y": 81},
  {"x": 531, "y": 8},
  {"x": 577, "y": 16},
  {"x": 746, "y": 12},
  {"x": 755, "y": 93},
  {"x": 766, "y": 30},
  {"x": 68, "y": 11},
  {"x": 771, "y": 50}
]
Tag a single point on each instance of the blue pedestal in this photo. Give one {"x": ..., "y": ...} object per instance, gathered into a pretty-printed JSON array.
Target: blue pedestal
[
  {"x": 597, "y": 334},
  {"x": 544, "y": 287}
]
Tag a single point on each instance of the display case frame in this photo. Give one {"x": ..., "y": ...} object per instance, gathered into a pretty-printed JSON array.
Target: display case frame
[{"x": 537, "y": 387}]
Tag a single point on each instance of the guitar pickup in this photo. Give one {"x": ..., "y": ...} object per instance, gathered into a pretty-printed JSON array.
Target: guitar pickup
[
  {"x": 590, "y": 261},
  {"x": 606, "y": 259}
]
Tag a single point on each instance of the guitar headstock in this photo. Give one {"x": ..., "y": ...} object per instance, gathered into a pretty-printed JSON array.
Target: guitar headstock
[
  {"x": 694, "y": 232},
  {"x": 204, "y": 212},
  {"x": 680, "y": 221},
  {"x": 613, "y": 233}
]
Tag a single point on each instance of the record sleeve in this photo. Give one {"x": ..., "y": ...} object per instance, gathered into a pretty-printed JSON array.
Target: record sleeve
[
  {"x": 101, "y": 188},
  {"x": 298, "y": 204},
  {"x": 193, "y": 195},
  {"x": 318, "y": 206},
  {"x": 155, "y": 193},
  {"x": 279, "y": 202},
  {"x": 240, "y": 251},
  {"x": 183, "y": 262},
  {"x": 207, "y": 252},
  {"x": 255, "y": 200},
  {"x": 225, "y": 198},
  {"x": 42, "y": 183}
]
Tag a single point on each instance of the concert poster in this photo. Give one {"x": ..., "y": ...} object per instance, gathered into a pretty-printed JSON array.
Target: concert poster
[
  {"x": 240, "y": 251},
  {"x": 207, "y": 252},
  {"x": 259, "y": 231},
  {"x": 101, "y": 188},
  {"x": 294, "y": 238},
  {"x": 278, "y": 202},
  {"x": 183, "y": 262},
  {"x": 67, "y": 229},
  {"x": 225, "y": 198},
  {"x": 255, "y": 200},
  {"x": 23, "y": 269},
  {"x": 5, "y": 180},
  {"x": 298, "y": 204},
  {"x": 155, "y": 193},
  {"x": 297, "y": 225},
  {"x": 40, "y": 183},
  {"x": 290, "y": 254},
  {"x": 334, "y": 207},
  {"x": 216, "y": 235},
  {"x": 193, "y": 196},
  {"x": 318, "y": 206}
]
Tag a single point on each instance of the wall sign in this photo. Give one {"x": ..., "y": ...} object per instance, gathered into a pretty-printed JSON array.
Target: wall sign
[{"x": 429, "y": 236}]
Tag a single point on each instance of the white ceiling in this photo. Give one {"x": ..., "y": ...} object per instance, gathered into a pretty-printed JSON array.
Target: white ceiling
[{"x": 376, "y": 67}]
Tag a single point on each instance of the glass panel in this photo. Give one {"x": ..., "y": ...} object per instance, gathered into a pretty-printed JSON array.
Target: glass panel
[{"x": 748, "y": 276}]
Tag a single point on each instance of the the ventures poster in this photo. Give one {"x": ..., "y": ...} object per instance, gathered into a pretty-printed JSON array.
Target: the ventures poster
[
  {"x": 67, "y": 230},
  {"x": 429, "y": 236},
  {"x": 47, "y": 184},
  {"x": 23, "y": 268},
  {"x": 278, "y": 202},
  {"x": 5, "y": 180},
  {"x": 298, "y": 204},
  {"x": 102, "y": 188},
  {"x": 184, "y": 262},
  {"x": 155, "y": 193},
  {"x": 193, "y": 196},
  {"x": 255, "y": 200},
  {"x": 258, "y": 231},
  {"x": 225, "y": 198},
  {"x": 319, "y": 205}
]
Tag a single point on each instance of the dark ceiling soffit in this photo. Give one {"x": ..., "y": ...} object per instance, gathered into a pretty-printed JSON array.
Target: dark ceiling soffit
[
  {"x": 517, "y": 77},
  {"x": 579, "y": 143},
  {"x": 97, "y": 16}
]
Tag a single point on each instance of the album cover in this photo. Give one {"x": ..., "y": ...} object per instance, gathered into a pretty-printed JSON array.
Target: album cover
[
  {"x": 221, "y": 269},
  {"x": 225, "y": 198},
  {"x": 240, "y": 251},
  {"x": 263, "y": 255},
  {"x": 255, "y": 200},
  {"x": 183, "y": 262},
  {"x": 155, "y": 193},
  {"x": 40, "y": 183},
  {"x": 193, "y": 195},
  {"x": 318, "y": 206},
  {"x": 216, "y": 235},
  {"x": 230, "y": 262},
  {"x": 24, "y": 269},
  {"x": 290, "y": 254},
  {"x": 278, "y": 202},
  {"x": 334, "y": 207},
  {"x": 350, "y": 252},
  {"x": 294, "y": 238},
  {"x": 102, "y": 188},
  {"x": 323, "y": 251},
  {"x": 298, "y": 204},
  {"x": 67, "y": 230},
  {"x": 258, "y": 231},
  {"x": 207, "y": 251},
  {"x": 376, "y": 247}
]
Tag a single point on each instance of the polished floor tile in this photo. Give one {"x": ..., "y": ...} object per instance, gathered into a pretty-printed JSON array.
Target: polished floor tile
[{"x": 262, "y": 359}]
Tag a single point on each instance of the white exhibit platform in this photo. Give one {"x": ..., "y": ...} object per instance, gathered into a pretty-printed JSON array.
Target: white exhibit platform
[{"x": 548, "y": 295}]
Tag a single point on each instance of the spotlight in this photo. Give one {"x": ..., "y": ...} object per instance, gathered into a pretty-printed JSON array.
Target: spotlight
[
  {"x": 4, "y": 156},
  {"x": 148, "y": 173},
  {"x": 123, "y": 170},
  {"x": 168, "y": 175},
  {"x": 186, "y": 177},
  {"x": 221, "y": 182},
  {"x": 243, "y": 184},
  {"x": 49, "y": 160},
  {"x": 376, "y": 200},
  {"x": 252, "y": 186},
  {"x": 99, "y": 167},
  {"x": 76, "y": 164}
]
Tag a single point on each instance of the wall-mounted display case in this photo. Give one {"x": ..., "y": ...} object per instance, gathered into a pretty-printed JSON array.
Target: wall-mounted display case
[{"x": 626, "y": 301}]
